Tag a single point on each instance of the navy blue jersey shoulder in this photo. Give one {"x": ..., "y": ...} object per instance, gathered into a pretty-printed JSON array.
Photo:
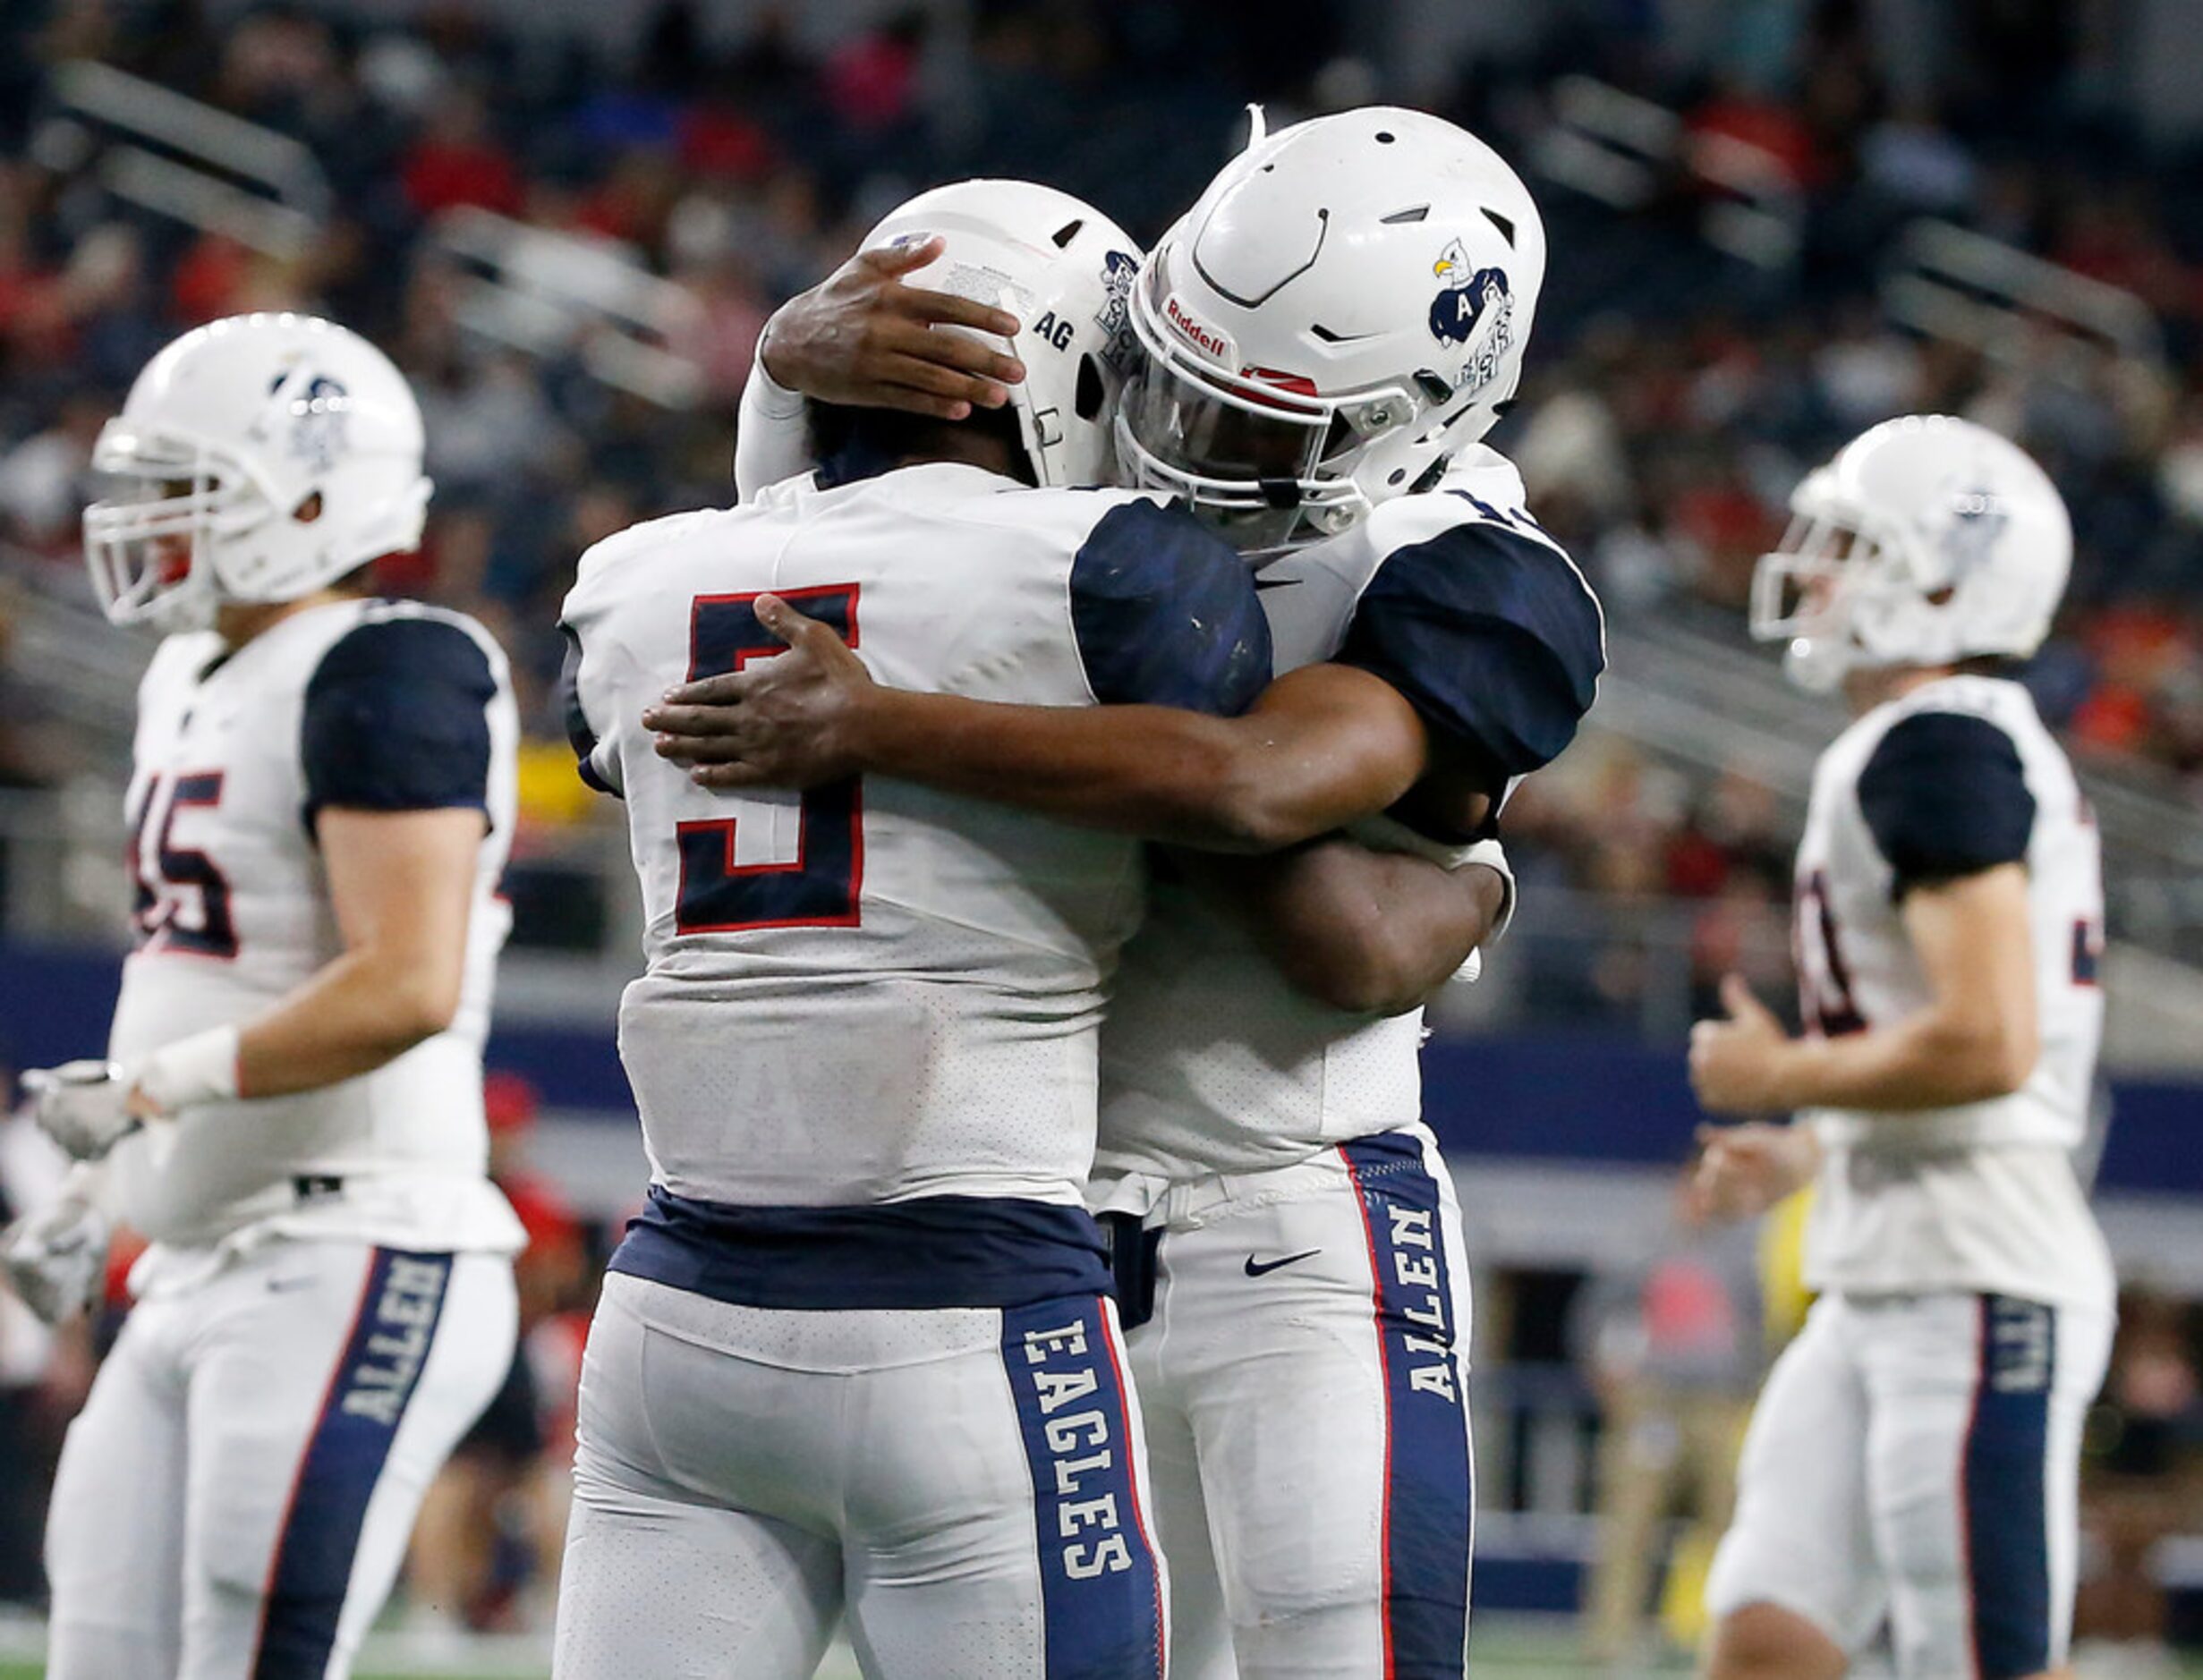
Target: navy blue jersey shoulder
[
  {"x": 397, "y": 720},
  {"x": 1166, "y": 614},
  {"x": 1490, "y": 634},
  {"x": 1945, "y": 795}
]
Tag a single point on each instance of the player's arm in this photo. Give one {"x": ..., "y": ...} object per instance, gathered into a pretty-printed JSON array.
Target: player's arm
[
  {"x": 1367, "y": 931},
  {"x": 1320, "y": 747},
  {"x": 863, "y": 338},
  {"x": 395, "y": 740},
  {"x": 401, "y": 884},
  {"x": 1474, "y": 656},
  {"x": 1974, "y": 1039},
  {"x": 1947, "y": 800}
]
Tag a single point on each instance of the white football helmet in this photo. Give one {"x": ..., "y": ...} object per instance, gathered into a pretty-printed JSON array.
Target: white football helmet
[
  {"x": 1063, "y": 269},
  {"x": 1345, "y": 307},
  {"x": 261, "y": 458},
  {"x": 1926, "y": 541}
]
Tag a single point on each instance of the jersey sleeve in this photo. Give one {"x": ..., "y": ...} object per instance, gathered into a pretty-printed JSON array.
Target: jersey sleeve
[
  {"x": 1166, "y": 614},
  {"x": 596, "y": 765},
  {"x": 1491, "y": 634},
  {"x": 396, "y": 718},
  {"x": 1945, "y": 795}
]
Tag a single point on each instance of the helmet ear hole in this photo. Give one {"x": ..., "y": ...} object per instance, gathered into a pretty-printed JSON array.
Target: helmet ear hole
[
  {"x": 1091, "y": 393},
  {"x": 309, "y": 510}
]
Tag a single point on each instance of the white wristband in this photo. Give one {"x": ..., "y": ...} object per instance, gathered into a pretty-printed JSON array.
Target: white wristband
[
  {"x": 199, "y": 1069},
  {"x": 1492, "y": 855},
  {"x": 769, "y": 395}
]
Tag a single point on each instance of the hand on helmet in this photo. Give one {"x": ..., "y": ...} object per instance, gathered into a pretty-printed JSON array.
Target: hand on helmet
[
  {"x": 863, "y": 338},
  {"x": 57, "y": 1258}
]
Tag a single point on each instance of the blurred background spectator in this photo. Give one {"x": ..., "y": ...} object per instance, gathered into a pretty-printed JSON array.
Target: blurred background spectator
[{"x": 1674, "y": 1348}]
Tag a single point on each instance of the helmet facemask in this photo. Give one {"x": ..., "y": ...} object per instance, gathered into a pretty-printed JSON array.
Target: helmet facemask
[
  {"x": 1260, "y": 455},
  {"x": 150, "y": 546},
  {"x": 1844, "y": 591}
]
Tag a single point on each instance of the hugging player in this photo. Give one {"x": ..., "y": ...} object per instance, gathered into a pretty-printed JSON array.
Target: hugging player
[{"x": 1319, "y": 345}]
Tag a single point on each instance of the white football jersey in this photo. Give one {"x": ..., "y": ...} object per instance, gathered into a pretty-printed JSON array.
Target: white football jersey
[
  {"x": 1957, "y": 775},
  {"x": 356, "y": 704},
  {"x": 1210, "y": 1062},
  {"x": 873, "y": 992}
]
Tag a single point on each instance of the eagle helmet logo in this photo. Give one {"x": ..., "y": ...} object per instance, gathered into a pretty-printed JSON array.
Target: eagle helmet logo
[
  {"x": 1465, "y": 296},
  {"x": 318, "y": 423},
  {"x": 1118, "y": 269}
]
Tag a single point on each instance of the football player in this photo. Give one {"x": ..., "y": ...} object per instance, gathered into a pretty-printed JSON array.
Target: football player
[
  {"x": 1915, "y": 1457},
  {"x": 1321, "y": 341},
  {"x": 319, "y": 809},
  {"x": 858, "y": 1356}
]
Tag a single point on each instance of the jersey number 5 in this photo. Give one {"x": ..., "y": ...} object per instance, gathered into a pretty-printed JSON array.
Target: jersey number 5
[
  {"x": 821, "y": 887},
  {"x": 163, "y": 873}
]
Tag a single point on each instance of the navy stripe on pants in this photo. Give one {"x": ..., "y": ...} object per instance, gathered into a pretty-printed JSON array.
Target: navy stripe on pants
[
  {"x": 1430, "y": 1489},
  {"x": 1100, "y": 1586},
  {"x": 374, "y": 1379},
  {"x": 2005, "y": 1513}
]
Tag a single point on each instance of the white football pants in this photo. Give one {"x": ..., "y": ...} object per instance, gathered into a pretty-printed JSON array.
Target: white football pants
[
  {"x": 1917, "y": 1458},
  {"x": 965, "y": 1484},
  {"x": 235, "y": 1498},
  {"x": 1304, "y": 1375}
]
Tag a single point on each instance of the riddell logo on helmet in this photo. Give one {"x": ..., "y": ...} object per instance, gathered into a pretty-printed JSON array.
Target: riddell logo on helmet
[{"x": 1198, "y": 332}]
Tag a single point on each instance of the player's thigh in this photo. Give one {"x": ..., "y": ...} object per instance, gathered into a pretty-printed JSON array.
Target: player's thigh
[
  {"x": 1330, "y": 1410},
  {"x": 1801, "y": 1538},
  {"x": 662, "y": 1573},
  {"x": 114, "y": 1533},
  {"x": 1000, "y": 1526},
  {"x": 326, "y": 1382},
  {"x": 1977, "y": 1404},
  {"x": 655, "y": 1582},
  {"x": 1200, "y": 1628}
]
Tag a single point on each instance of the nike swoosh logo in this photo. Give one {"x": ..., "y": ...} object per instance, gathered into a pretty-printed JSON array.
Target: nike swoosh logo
[
  {"x": 1255, "y": 1268},
  {"x": 1275, "y": 583}
]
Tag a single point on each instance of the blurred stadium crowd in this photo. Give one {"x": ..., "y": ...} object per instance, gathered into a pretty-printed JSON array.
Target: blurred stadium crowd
[{"x": 1675, "y": 393}]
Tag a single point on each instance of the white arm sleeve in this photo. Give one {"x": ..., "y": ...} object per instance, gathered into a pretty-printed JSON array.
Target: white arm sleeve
[{"x": 771, "y": 442}]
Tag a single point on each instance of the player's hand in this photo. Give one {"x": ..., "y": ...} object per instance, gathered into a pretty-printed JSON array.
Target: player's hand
[
  {"x": 790, "y": 720},
  {"x": 1745, "y": 1170},
  {"x": 87, "y": 1107},
  {"x": 1735, "y": 1062},
  {"x": 863, "y": 338},
  {"x": 57, "y": 1258}
]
